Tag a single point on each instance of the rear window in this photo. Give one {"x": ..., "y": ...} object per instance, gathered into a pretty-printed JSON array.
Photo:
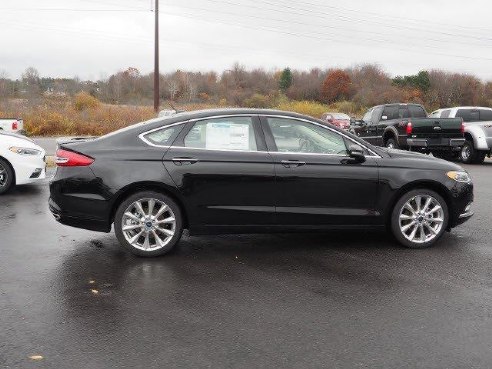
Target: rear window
[
  {"x": 417, "y": 111},
  {"x": 485, "y": 114},
  {"x": 341, "y": 116},
  {"x": 445, "y": 113},
  {"x": 468, "y": 115},
  {"x": 164, "y": 136}
]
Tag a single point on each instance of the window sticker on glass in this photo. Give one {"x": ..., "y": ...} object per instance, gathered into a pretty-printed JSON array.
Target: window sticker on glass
[{"x": 227, "y": 136}]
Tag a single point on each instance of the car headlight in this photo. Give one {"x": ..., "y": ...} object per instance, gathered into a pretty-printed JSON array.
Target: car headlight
[
  {"x": 459, "y": 176},
  {"x": 24, "y": 150}
]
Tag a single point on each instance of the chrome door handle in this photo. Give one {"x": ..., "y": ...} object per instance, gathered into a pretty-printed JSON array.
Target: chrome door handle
[
  {"x": 292, "y": 163},
  {"x": 184, "y": 161}
]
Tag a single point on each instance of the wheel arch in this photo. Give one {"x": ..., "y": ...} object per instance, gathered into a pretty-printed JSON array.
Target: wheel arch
[
  {"x": 437, "y": 187},
  {"x": 390, "y": 132},
  {"x": 11, "y": 168},
  {"x": 134, "y": 188}
]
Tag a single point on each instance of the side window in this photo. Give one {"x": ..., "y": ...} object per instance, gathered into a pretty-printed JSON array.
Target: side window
[
  {"x": 164, "y": 136},
  {"x": 445, "y": 113},
  {"x": 293, "y": 135},
  {"x": 403, "y": 112},
  {"x": 391, "y": 111},
  {"x": 485, "y": 115},
  {"x": 232, "y": 133},
  {"x": 417, "y": 111}
]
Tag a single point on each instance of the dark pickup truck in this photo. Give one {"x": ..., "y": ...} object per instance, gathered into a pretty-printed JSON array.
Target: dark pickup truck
[{"x": 407, "y": 127}]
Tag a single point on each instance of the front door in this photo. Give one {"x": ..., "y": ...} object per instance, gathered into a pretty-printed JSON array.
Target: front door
[
  {"x": 221, "y": 166},
  {"x": 317, "y": 183}
]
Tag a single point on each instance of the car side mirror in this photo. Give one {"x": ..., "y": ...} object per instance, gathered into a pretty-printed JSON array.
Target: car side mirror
[
  {"x": 356, "y": 152},
  {"x": 384, "y": 117}
]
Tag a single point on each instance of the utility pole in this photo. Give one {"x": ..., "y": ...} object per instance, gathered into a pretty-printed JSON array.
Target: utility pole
[{"x": 156, "y": 57}]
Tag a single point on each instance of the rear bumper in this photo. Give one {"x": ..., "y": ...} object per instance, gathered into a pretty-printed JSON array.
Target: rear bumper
[
  {"x": 444, "y": 143},
  {"x": 91, "y": 224}
]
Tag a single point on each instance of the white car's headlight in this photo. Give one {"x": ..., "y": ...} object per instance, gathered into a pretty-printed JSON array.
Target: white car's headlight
[
  {"x": 459, "y": 176},
  {"x": 24, "y": 150}
]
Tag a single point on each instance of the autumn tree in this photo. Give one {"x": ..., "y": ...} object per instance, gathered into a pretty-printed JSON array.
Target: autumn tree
[
  {"x": 285, "y": 80},
  {"x": 336, "y": 86}
]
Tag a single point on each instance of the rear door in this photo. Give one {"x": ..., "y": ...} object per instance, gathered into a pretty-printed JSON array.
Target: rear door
[
  {"x": 223, "y": 170},
  {"x": 316, "y": 183}
]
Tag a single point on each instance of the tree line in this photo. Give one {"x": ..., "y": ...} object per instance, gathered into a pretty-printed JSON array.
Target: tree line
[{"x": 362, "y": 85}]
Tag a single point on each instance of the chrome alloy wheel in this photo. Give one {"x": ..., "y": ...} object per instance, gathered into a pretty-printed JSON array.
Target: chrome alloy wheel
[
  {"x": 148, "y": 224},
  {"x": 3, "y": 176},
  {"x": 465, "y": 152},
  {"x": 421, "y": 219}
]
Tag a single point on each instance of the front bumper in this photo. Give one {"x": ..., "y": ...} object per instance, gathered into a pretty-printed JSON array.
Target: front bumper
[
  {"x": 462, "y": 203},
  {"x": 29, "y": 171}
]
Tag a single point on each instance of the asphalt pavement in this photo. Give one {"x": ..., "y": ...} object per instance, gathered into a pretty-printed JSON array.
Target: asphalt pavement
[
  {"x": 47, "y": 143},
  {"x": 73, "y": 299}
]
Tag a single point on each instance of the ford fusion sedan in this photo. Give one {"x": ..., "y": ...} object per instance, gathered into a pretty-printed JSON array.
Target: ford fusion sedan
[
  {"x": 21, "y": 161},
  {"x": 251, "y": 171}
]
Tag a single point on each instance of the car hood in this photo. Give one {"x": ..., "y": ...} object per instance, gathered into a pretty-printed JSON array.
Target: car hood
[
  {"x": 419, "y": 160},
  {"x": 16, "y": 136}
]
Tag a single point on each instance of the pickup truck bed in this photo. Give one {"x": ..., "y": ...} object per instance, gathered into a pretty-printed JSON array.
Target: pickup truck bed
[{"x": 406, "y": 126}]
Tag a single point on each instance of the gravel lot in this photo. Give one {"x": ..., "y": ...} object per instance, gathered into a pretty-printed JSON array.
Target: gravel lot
[{"x": 72, "y": 299}]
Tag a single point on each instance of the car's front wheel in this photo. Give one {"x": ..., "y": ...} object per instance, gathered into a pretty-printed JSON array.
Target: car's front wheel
[
  {"x": 419, "y": 218},
  {"x": 6, "y": 177},
  {"x": 148, "y": 224}
]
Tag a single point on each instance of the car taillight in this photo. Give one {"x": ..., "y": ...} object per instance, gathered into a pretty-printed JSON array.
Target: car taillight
[
  {"x": 66, "y": 158},
  {"x": 15, "y": 126},
  {"x": 462, "y": 127},
  {"x": 409, "y": 128}
]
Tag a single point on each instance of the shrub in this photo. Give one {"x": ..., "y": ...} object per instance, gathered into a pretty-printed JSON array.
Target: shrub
[
  {"x": 258, "y": 101},
  {"x": 311, "y": 108},
  {"x": 83, "y": 101}
]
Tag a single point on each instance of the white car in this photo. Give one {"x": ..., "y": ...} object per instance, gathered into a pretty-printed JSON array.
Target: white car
[
  {"x": 21, "y": 161},
  {"x": 478, "y": 131}
]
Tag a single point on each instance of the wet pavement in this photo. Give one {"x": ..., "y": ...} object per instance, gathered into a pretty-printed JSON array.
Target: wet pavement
[{"x": 72, "y": 299}]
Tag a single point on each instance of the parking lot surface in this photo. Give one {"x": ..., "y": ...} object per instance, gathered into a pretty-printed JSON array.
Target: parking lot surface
[{"x": 72, "y": 299}]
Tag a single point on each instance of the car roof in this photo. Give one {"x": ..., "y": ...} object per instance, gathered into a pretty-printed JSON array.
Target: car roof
[{"x": 198, "y": 114}]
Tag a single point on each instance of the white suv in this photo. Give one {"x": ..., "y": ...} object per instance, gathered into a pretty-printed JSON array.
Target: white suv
[{"x": 478, "y": 130}]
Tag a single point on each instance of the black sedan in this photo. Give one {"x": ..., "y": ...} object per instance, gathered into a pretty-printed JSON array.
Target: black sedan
[{"x": 251, "y": 171}]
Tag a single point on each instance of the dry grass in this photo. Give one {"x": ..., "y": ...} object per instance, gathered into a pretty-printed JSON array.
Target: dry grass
[{"x": 85, "y": 115}]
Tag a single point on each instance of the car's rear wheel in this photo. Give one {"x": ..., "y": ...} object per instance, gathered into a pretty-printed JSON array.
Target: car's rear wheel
[
  {"x": 6, "y": 177},
  {"x": 469, "y": 154},
  {"x": 148, "y": 224},
  {"x": 419, "y": 218},
  {"x": 392, "y": 144}
]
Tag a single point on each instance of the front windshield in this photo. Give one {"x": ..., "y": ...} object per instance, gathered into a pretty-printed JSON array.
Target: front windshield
[{"x": 367, "y": 117}]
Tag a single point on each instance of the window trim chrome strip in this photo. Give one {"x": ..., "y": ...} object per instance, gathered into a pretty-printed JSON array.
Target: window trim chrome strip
[{"x": 142, "y": 135}]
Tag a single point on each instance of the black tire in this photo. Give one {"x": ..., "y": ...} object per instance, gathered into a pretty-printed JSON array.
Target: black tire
[
  {"x": 392, "y": 144},
  {"x": 468, "y": 153},
  {"x": 178, "y": 228},
  {"x": 395, "y": 218},
  {"x": 480, "y": 157},
  {"x": 6, "y": 177}
]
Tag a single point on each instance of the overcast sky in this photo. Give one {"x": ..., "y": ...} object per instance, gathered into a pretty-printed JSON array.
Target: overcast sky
[{"x": 95, "y": 38}]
